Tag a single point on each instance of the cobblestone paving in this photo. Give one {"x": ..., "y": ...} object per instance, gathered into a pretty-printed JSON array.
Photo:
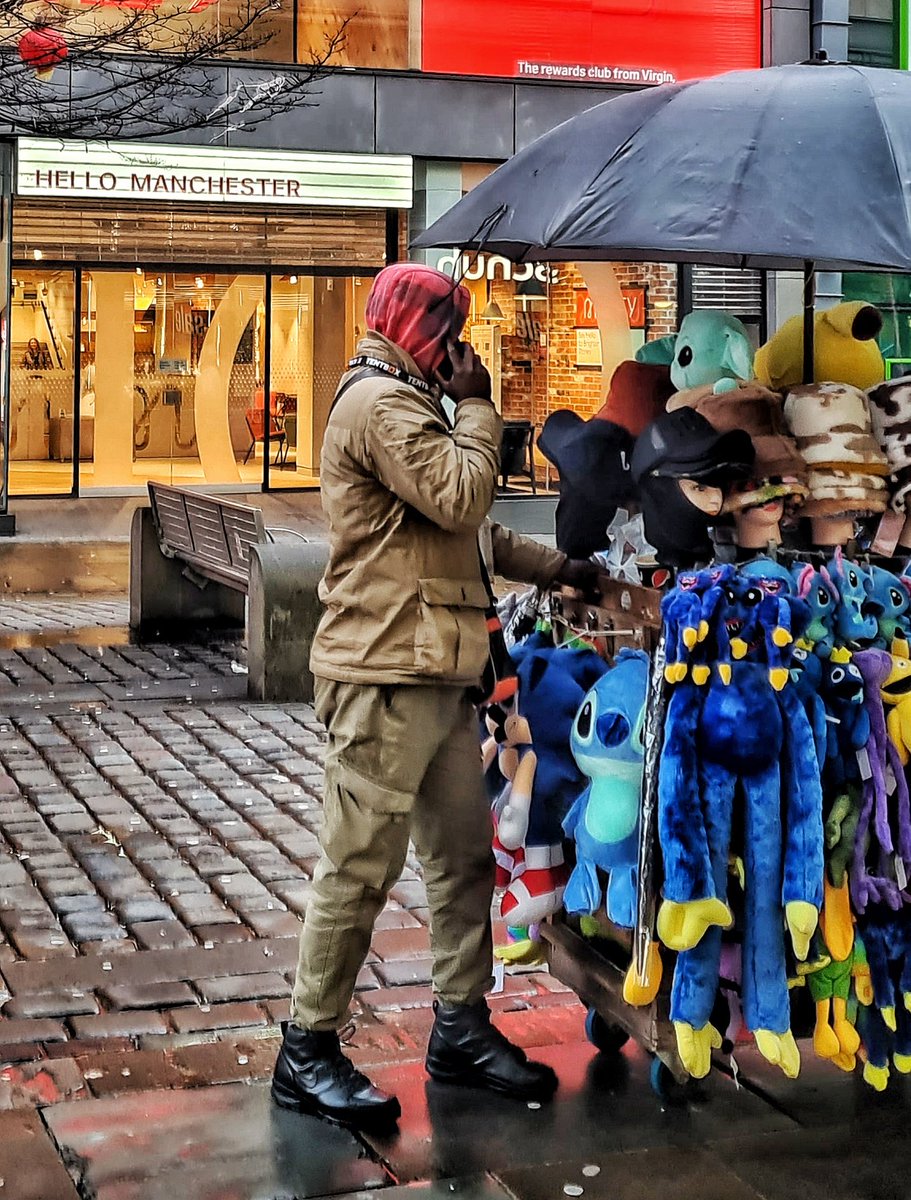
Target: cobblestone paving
[
  {"x": 30, "y": 614},
  {"x": 155, "y": 859}
]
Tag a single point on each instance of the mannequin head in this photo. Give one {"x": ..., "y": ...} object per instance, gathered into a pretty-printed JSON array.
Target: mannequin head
[
  {"x": 759, "y": 525},
  {"x": 683, "y": 469}
]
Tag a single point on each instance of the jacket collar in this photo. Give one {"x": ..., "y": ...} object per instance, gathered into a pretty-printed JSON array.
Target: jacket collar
[{"x": 377, "y": 346}]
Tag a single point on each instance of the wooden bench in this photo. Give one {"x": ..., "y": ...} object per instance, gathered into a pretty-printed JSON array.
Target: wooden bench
[
  {"x": 200, "y": 563},
  {"x": 209, "y": 535}
]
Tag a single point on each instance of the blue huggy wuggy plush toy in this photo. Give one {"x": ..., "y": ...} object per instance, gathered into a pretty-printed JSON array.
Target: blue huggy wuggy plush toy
[{"x": 738, "y": 786}]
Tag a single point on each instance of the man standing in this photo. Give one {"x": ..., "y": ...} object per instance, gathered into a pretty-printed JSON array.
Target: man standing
[{"x": 402, "y": 639}]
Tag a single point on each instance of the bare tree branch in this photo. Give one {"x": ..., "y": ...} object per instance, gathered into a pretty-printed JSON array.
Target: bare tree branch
[{"x": 140, "y": 69}]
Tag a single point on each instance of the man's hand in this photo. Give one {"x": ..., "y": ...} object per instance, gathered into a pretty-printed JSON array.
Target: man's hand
[
  {"x": 470, "y": 378},
  {"x": 581, "y": 574}
]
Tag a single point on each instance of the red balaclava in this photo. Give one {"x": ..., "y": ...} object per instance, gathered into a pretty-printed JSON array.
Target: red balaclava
[{"x": 417, "y": 308}]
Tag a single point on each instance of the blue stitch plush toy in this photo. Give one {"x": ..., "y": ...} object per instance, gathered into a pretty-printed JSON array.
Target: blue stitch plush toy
[
  {"x": 889, "y": 602},
  {"x": 854, "y": 624},
  {"x": 606, "y": 742}
]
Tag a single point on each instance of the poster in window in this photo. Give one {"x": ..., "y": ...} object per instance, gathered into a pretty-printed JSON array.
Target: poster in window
[{"x": 588, "y": 348}]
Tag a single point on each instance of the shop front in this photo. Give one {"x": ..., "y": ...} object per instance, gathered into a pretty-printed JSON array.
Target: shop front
[{"x": 183, "y": 313}]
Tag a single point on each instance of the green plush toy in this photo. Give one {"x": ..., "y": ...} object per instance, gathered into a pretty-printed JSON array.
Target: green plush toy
[{"x": 712, "y": 348}]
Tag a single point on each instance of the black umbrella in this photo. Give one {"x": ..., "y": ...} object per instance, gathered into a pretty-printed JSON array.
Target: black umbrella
[
  {"x": 769, "y": 168},
  {"x": 782, "y": 167}
]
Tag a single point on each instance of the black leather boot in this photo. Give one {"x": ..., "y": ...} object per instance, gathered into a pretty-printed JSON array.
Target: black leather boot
[
  {"x": 466, "y": 1049},
  {"x": 313, "y": 1076}
]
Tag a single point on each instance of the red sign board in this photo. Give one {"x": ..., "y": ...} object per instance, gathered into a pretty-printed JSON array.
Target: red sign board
[
  {"x": 586, "y": 317},
  {"x": 592, "y": 41},
  {"x": 633, "y": 298}
]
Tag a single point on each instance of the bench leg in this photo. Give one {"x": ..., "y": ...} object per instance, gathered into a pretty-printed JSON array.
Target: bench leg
[
  {"x": 163, "y": 601},
  {"x": 282, "y": 614}
]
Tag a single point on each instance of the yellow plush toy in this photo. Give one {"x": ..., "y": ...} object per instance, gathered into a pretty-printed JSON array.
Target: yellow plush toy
[{"x": 844, "y": 349}]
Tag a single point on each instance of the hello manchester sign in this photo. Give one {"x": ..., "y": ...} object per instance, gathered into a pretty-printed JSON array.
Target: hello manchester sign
[{"x": 115, "y": 170}]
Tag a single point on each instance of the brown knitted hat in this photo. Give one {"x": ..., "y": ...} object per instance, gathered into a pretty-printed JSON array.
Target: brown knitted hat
[{"x": 754, "y": 408}]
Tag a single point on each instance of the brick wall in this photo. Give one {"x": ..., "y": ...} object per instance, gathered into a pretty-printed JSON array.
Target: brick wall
[{"x": 538, "y": 379}]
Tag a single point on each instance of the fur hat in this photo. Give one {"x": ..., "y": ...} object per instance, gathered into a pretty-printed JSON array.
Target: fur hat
[
  {"x": 779, "y": 470},
  {"x": 890, "y": 408},
  {"x": 832, "y": 425}
]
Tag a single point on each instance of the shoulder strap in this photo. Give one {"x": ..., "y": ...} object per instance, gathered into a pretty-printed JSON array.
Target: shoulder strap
[{"x": 363, "y": 373}]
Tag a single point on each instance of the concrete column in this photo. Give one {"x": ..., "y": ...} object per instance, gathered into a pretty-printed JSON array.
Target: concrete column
[
  {"x": 437, "y": 187},
  {"x": 613, "y": 321},
  {"x": 785, "y": 32},
  {"x": 830, "y": 28},
  {"x": 213, "y": 381}
]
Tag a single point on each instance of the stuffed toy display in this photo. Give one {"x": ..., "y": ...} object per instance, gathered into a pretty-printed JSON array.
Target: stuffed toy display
[
  {"x": 778, "y": 792},
  {"x": 532, "y": 775},
  {"x": 784, "y": 811},
  {"x": 844, "y": 349},
  {"x": 738, "y": 762},
  {"x": 710, "y": 348}
]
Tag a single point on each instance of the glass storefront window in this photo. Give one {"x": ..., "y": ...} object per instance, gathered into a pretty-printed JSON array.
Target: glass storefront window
[
  {"x": 41, "y": 382},
  {"x": 224, "y": 28},
  {"x": 172, "y": 371}
]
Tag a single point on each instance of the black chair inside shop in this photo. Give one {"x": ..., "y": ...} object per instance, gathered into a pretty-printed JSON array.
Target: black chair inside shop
[{"x": 517, "y": 456}]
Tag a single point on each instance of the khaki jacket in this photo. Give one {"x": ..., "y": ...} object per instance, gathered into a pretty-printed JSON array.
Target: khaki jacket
[{"x": 406, "y": 495}]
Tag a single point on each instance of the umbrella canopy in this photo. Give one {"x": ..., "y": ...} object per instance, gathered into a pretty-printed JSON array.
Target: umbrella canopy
[{"x": 770, "y": 168}]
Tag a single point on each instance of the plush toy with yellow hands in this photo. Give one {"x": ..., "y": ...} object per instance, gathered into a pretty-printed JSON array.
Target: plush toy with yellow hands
[
  {"x": 844, "y": 349},
  {"x": 740, "y": 744},
  {"x": 884, "y": 1022},
  {"x": 695, "y": 1047},
  {"x": 896, "y": 695},
  {"x": 829, "y": 982}
]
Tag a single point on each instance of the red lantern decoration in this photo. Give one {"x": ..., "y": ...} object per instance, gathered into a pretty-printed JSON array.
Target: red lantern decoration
[{"x": 42, "y": 49}]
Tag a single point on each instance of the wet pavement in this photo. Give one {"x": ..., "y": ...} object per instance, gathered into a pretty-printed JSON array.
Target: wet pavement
[{"x": 158, "y": 834}]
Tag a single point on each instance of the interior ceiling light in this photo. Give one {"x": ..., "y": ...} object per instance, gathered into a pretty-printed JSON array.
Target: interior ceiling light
[{"x": 492, "y": 312}]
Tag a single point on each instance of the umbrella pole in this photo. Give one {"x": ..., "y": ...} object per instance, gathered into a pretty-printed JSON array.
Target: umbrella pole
[{"x": 809, "y": 305}]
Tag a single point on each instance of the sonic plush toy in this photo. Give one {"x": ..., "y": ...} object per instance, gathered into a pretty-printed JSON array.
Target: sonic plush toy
[
  {"x": 553, "y": 681},
  {"x": 606, "y": 743}
]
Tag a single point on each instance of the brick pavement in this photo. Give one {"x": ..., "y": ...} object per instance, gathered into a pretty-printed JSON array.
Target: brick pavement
[
  {"x": 51, "y": 614},
  {"x": 155, "y": 859}
]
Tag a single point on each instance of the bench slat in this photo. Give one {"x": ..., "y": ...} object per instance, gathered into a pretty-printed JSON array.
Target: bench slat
[{"x": 212, "y": 535}]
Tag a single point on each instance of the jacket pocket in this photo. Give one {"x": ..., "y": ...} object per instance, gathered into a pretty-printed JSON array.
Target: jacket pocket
[{"x": 451, "y": 636}]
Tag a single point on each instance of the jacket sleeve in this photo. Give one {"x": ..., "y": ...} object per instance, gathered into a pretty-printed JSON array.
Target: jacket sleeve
[
  {"x": 447, "y": 475},
  {"x": 522, "y": 559}
]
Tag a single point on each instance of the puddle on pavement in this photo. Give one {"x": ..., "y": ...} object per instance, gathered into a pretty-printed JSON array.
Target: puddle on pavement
[{"x": 90, "y": 635}]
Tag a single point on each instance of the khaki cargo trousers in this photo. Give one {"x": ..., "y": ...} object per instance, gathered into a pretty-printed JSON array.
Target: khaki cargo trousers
[{"x": 402, "y": 761}]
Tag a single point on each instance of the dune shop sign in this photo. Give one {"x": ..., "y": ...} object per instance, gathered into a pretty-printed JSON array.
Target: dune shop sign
[
  {"x": 625, "y": 42},
  {"x": 140, "y": 171}
]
